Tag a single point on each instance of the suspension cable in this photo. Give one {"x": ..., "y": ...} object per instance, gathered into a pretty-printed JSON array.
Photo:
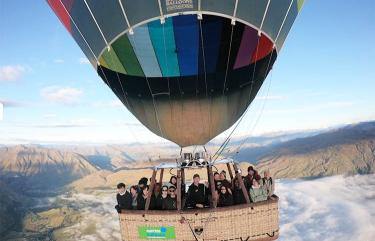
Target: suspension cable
[
  {"x": 221, "y": 149},
  {"x": 113, "y": 61},
  {"x": 98, "y": 63},
  {"x": 227, "y": 140},
  {"x": 167, "y": 64},
  {"x": 131, "y": 32},
  {"x": 224, "y": 87},
  {"x": 125, "y": 16},
  {"x": 282, "y": 24},
  {"x": 264, "y": 103},
  {"x": 108, "y": 49},
  {"x": 151, "y": 93},
  {"x": 205, "y": 79},
  {"x": 203, "y": 54},
  {"x": 238, "y": 148},
  {"x": 88, "y": 45},
  {"x": 110, "y": 55},
  {"x": 226, "y": 69},
  {"x": 96, "y": 23}
]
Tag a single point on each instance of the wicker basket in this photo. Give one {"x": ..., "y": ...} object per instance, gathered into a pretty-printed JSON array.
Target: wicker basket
[{"x": 255, "y": 221}]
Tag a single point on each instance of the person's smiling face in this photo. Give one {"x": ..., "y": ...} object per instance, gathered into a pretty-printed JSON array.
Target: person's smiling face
[
  {"x": 223, "y": 190},
  {"x": 172, "y": 191}
]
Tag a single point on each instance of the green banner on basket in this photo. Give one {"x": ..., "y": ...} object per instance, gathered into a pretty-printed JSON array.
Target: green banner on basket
[{"x": 156, "y": 232}]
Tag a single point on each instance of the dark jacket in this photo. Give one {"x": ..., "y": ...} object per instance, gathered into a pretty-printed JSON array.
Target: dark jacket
[
  {"x": 238, "y": 197},
  {"x": 248, "y": 181},
  {"x": 197, "y": 195},
  {"x": 183, "y": 190},
  {"x": 226, "y": 183},
  {"x": 141, "y": 202},
  {"x": 169, "y": 203},
  {"x": 225, "y": 200},
  {"x": 156, "y": 202},
  {"x": 124, "y": 201}
]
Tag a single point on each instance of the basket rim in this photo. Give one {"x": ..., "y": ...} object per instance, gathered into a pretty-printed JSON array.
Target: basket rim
[{"x": 125, "y": 212}]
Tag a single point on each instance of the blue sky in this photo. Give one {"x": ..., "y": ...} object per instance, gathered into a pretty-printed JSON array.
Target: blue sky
[{"x": 324, "y": 77}]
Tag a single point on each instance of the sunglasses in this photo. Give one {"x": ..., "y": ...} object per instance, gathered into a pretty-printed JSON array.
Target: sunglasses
[
  {"x": 171, "y": 190},
  {"x": 165, "y": 190}
]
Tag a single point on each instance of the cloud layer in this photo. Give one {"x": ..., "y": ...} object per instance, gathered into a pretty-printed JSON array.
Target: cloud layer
[
  {"x": 333, "y": 208},
  {"x": 100, "y": 220}
]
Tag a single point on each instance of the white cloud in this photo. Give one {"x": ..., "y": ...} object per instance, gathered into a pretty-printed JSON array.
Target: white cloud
[
  {"x": 327, "y": 209},
  {"x": 83, "y": 60},
  {"x": 12, "y": 72},
  {"x": 58, "y": 61},
  {"x": 98, "y": 213},
  {"x": 62, "y": 95}
]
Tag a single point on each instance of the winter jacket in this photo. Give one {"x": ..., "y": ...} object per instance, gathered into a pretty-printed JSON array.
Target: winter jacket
[
  {"x": 248, "y": 181},
  {"x": 141, "y": 202},
  {"x": 258, "y": 194},
  {"x": 169, "y": 203},
  {"x": 238, "y": 197},
  {"x": 197, "y": 195},
  {"x": 124, "y": 201},
  {"x": 156, "y": 202},
  {"x": 225, "y": 200}
]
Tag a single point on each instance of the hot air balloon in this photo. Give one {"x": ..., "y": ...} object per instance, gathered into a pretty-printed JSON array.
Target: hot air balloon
[{"x": 187, "y": 70}]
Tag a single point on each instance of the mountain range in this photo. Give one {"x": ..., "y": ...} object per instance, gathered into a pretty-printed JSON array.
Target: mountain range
[
  {"x": 348, "y": 150},
  {"x": 28, "y": 172},
  {"x": 36, "y": 167}
]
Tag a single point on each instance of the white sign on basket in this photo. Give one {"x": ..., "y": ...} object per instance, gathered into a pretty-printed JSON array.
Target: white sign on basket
[{"x": 178, "y": 4}]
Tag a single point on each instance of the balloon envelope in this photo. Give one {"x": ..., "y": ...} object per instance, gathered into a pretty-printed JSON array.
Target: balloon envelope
[{"x": 185, "y": 78}]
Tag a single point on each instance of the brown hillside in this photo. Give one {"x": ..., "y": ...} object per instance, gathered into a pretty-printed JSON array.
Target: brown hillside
[{"x": 40, "y": 167}]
